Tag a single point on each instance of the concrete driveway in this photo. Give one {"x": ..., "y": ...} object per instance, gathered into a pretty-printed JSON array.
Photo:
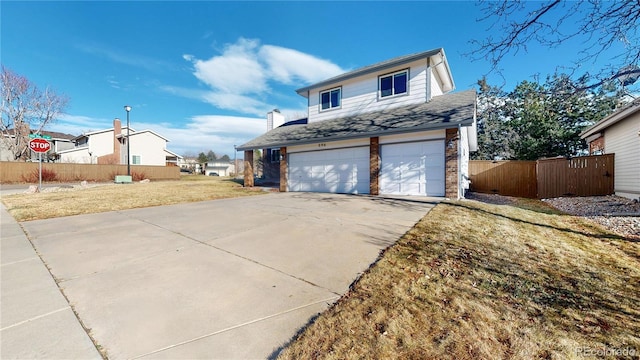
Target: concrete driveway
[{"x": 233, "y": 278}]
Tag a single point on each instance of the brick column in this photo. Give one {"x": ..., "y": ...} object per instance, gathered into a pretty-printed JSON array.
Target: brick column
[
  {"x": 596, "y": 146},
  {"x": 117, "y": 130},
  {"x": 248, "y": 168},
  {"x": 451, "y": 177},
  {"x": 374, "y": 166},
  {"x": 283, "y": 169}
]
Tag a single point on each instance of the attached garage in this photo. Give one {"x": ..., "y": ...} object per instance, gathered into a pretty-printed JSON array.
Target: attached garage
[
  {"x": 415, "y": 168},
  {"x": 419, "y": 150},
  {"x": 335, "y": 171}
]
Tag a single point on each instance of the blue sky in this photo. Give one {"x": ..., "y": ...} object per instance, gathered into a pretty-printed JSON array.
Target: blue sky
[{"x": 204, "y": 73}]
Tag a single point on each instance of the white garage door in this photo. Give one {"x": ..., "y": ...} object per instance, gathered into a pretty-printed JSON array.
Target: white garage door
[
  {"x": 415, "y": 168},
  {"x": 334, "y": 171}
]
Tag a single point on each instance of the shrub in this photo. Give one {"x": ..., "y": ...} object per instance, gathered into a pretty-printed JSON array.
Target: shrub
[
  {"x": 34, "y": 175},
  {"x": 137, "y": 176}
]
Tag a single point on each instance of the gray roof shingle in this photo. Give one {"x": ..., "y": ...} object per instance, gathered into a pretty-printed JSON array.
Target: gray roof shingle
[{"x": 444, "y": 111}]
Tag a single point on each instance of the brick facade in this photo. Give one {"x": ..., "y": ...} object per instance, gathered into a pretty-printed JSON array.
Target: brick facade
[
  {"x": 248, "y": 168},
  {"x": 374, "y": 166},
  {"x": 115, "y": 157},
  {"x": 283, "y": 169},
  {"x": 451, "y": 176},
  {"x": 596, "y": 147}
]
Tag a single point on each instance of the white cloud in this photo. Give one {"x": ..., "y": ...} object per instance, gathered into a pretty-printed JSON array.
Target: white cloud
[
  {"x": 239, "y": 103},
  {"x": 209, "y": 132},
  {"x": 77, "y": 124},
  {"x": 221, "y": 124},
  {"x": 288, "y": 66},
  {"x": 239, "y": 78}
]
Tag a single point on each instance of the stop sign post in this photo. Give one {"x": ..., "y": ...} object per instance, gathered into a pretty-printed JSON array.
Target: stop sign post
[{"x": 40, "y": 146}]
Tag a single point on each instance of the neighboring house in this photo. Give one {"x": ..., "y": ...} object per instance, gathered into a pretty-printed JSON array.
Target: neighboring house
[
  {"x": 619, "y": 134},
  {"x": 190, "y": 164},
  {"x": 389, "y": 128},
  {"x": 222, "y": 168},
  {"x": 59, "y": 142},
  {"x": 109, "y": 146}
]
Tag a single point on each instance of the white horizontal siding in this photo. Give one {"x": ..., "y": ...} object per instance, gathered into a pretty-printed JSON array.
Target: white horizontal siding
[
  {"x": 623, "y": 140},
  {"x": 149, "y": 147},
  {"x": 360, "y": 95},
  {"x": 77, "y": 156},
  {"x": 328, "y": 145},
  {"x": 101, "y": 144}
]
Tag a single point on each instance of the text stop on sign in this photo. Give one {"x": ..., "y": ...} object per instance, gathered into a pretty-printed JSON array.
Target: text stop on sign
[{"x": 39, "y": 145}]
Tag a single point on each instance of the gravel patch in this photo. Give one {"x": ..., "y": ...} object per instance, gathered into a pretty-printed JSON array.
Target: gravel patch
[
  {"x": 617, "y": 214},
  {"x": 63, "y": 187}
]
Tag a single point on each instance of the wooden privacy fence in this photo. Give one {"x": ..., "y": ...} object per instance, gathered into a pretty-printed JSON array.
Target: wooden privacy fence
[
  {"x": 547, "y": 178},
  {"x": 11, "y": 172},
  {"x": 580, "y": 176},
  {"x": 511, "y": 178}
]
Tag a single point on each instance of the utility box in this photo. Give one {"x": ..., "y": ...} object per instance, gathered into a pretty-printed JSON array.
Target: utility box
[{"x": 123, "y": 179}]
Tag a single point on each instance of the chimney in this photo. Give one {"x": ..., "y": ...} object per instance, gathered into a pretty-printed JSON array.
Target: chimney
[
  {"x": 117, "y": 130},
  {"x": 274, "y": 119}
]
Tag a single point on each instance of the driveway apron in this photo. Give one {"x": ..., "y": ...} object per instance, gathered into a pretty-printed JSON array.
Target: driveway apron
[{"x": 231, "y": 278}]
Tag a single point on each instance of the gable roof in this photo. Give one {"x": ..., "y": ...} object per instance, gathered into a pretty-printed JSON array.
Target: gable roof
[
  {"x": 387, "y": 64},
  {"x": 442, "y": 112},
  {"x": 54, "y": 134},
  {"x": 95, "y": 132},
  {"x": 614, "y": 118}
]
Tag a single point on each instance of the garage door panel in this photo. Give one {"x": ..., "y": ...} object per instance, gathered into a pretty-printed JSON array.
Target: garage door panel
[
  {"x": 413, "y": 168},
  {"x": 434, "y": 187},
  {"x": 337, "y": 170}
]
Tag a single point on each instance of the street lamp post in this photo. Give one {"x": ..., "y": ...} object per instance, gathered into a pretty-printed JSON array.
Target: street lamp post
[{"x": 127, "y": 108}]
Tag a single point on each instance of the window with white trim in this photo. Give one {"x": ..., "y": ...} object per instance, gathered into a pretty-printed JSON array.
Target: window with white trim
[
  {"x": 393, "y": 84},
  {"x": 330, "y": 99},
  {"x": 135, "y": 160}
]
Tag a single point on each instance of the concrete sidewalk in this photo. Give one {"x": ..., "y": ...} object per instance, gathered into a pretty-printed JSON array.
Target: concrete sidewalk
[
  {"x": 36, "y": 320},
  {"x": 223, "y": 279}
]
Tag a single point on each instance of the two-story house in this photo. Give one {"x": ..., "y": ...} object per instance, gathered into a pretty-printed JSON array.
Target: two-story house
[
  {"x": 393, "y": 128},
  {"x": 109, "y": 146}
]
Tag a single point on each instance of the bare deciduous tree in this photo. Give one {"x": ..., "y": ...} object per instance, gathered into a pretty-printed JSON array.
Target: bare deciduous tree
[
  {"x": 608, "y": 30},
  {"x": 25, "y": 110}
]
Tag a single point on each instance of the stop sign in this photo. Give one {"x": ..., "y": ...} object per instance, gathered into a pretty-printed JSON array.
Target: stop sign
[{"x": 39, "y": 145}]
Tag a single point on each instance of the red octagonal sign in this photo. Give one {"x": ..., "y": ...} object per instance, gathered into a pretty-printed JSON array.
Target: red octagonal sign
[{"x": 39, "y": 145}]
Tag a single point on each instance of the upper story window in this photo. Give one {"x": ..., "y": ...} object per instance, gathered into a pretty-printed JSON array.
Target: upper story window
[
  {"x": 393, "y": 84},
  {"x": 330, "y": 99}
]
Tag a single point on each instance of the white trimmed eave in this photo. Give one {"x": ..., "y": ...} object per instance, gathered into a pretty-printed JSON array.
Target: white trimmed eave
[{"x": 611, "y": 120}]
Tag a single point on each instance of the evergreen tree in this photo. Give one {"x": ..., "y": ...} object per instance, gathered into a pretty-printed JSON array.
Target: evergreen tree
[{"x": 540, "y": 120}]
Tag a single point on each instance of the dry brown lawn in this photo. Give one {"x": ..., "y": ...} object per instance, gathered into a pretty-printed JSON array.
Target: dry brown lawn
[
  {"x": 479, "y": 281},
  {"x": 110, "y": 197}
]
